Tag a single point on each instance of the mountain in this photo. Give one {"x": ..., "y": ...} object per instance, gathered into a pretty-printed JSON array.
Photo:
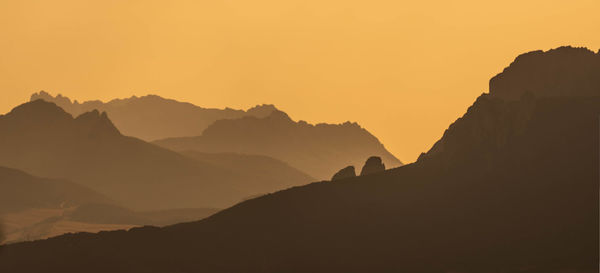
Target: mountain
[
  {"x": 318, "y": 150},
  {"x": 42, "y": 139},
  {"x": 19, "y": 191},
  {"x": 522, "y": 198},
  {"x": 565, "y": 71},
  {"x": 152, "y": 117},
  {"x": 34, "y": 208},
  {"x": 28, "y": 202},
  {"x": 262, "y": 174},
  {"x": 111, "y": 214}
]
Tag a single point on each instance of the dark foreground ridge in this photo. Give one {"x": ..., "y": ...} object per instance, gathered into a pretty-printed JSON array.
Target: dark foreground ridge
[{"x": 523, "y": 198}]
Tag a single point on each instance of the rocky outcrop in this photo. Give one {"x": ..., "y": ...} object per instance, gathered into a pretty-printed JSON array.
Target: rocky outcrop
[
  {"x": 344, "y": 173},
  {"x": 373, "y": 165}
]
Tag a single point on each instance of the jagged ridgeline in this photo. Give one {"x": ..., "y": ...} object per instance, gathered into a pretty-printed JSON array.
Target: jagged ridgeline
[
  {"x": 152, "y": 117},
  {"x": 42, "y": 139},
  {"x": 512, "y": 186},
  {"x": 318, "y": 150}
]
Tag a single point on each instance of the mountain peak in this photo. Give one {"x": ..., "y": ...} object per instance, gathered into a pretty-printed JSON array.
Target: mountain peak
[
  {"x": 40, "y": 114},
  {"x": 39, "y": 110},
  {"x": 564, "y": 71},
  {"x": 262, "y": 110},
  {"x": 279, "y": 115},
  {"x": 95, "y": 123}
]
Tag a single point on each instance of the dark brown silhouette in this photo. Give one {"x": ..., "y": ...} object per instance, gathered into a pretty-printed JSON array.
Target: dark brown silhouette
[
  {"x": 152, "y": 117},
  {"x": 42, "y": 139},
  {"x": 344, "y": 173},
  {"x": 522, "y": 198},
  {"x": 372, "y": 165},
  {"x": 315, "y": 149},
  {"x": 564, "y": 71}
]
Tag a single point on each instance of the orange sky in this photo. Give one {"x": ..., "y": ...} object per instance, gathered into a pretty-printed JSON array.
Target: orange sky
[{"x": 403, "y": 69}]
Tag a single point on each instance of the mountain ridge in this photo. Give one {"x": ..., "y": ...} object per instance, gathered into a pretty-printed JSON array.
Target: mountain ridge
[
  {"x": 42, "y": 139},
  {"x": 526, "y": 201},
  {"x": 153, "y": 117},
  {"x": 317, "y": 149}
]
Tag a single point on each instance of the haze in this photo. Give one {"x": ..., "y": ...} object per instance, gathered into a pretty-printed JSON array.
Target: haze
[{"x": 402, "y": 69}]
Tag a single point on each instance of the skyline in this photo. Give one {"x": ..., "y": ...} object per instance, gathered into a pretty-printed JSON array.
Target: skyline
[{"x": 403, "y": 71}]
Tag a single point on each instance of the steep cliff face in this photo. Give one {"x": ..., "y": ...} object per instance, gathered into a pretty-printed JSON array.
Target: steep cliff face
[
  {"x": 514, "y": 95},
  {"x": 483, "y": 131}
]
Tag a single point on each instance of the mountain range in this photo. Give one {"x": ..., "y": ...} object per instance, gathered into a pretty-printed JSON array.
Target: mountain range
[
  {"x": 319, "y": 150},
  {"x": 33, "y": 208},
  {"x": 40, "y": 138},
  {"x": 512, "y": 186},
  {"x": 152, "y": 117}
]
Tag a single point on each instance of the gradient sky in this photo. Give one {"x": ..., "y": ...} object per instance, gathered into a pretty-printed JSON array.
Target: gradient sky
[{"x": 402, "y": 69}]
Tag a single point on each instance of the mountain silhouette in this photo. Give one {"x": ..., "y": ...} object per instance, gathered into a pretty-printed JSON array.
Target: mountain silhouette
[
  {"x": 36, "y": 208},
  {"x": 110, "y": 214},
  {"x": 42, "y": 139},
  {"x": 522, "y": 198},
  {"x": 19, "y": 191},
  {"x": 261, "y": 174},
  {"x": 318, "y": 150},
  {"x": 565, "y": 71},
  {"x": 152, "y": 117}
]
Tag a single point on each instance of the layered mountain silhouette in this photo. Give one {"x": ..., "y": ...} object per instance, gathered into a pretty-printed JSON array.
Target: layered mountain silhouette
[
  {"x": 318, "y": 150},
  {"x": 522, "y": 198},
  {"x": 42, "y": 139},
  {"x": 152, "y": 117},
  {"x": 20, "y": 191},
  {"x": 33, "y": 208}
]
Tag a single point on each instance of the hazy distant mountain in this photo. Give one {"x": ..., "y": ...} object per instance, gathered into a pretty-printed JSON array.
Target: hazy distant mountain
[
  {"x": 152, "y": 117},
  {"x": 33, "y": 208},
  {"x": 318, "y": 150},
  {"x": 111, "y": 214},
  {"x": 42, "y": 139},
  {"x": 260, "y": 173},
  {"x": 522, "y": 198},
  {"x": 19, "y": 191}
]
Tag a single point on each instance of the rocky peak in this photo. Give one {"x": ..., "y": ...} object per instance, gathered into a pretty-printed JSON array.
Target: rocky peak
[
  {"x": 95, "y": 123},
  {"x": 38, "y": 110},
  {"x": 279, "y": 115},
  {"x": 564, "y": 71},
  {"x": 261, "y": 111}
]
